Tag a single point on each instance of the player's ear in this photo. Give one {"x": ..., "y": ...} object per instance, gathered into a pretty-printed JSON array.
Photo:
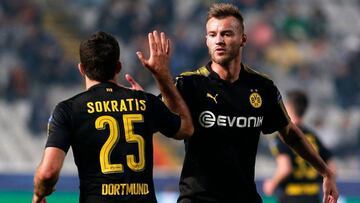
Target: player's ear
[
  {"x": 118, "y": 67},
  {"x": 243, "y": 40},
  {"x": 81, "y": 69}
]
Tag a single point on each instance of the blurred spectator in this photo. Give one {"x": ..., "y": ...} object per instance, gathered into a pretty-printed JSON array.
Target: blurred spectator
[
  {"x": 295, "y": 26},
  {"x": 39, "y": 113},
  {"x": 17, "y": 87},
  {"x": 346, "y": 86},
  {"x": 318, "y": 23}
]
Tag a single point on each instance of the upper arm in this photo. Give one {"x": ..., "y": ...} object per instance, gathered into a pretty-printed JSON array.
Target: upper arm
[{"x": 60, "y": 127}]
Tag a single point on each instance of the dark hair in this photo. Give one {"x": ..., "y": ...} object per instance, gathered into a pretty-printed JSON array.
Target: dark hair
[
  {"x": 222, "y": 10},
  {"x": 299, "y": 100},
  {"x": 99, "y": 54}
]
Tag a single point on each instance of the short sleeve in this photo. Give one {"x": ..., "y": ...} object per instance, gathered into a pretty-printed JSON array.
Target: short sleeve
[
  {"x": 182, "y": 88},
  {"x": 162, "y": 118},
  {"x": 59, "y": 128},
  {"x": 276, "y": 117}
]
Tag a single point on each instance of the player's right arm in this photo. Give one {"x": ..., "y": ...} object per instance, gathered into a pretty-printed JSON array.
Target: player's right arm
[
  {"x": 47, "y": 173},
  {"x": 158, "y": 64},
  {"x": 57, "y": 144}
]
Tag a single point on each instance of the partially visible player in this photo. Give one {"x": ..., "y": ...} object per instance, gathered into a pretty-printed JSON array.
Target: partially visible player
[
  {"x": 296, "y": 180},
  {"x": 110, "y": 127}
]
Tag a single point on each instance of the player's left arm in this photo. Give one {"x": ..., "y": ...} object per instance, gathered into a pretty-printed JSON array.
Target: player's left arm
[
  {"x": 47, "y": 173},
  {"x": 294, "y": 137}
]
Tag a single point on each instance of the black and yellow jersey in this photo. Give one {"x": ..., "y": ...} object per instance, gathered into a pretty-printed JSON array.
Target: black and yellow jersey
[
  {"x": 110, "y": 130},
  {"x": 304, "y": 179},
  {"x": 228, "y": 119}
]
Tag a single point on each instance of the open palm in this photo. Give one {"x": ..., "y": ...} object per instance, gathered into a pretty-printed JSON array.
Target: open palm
[{"x": 159, "y": 59}]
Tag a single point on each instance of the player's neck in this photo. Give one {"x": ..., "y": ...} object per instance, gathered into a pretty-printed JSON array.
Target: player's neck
[
  {"x": 229, "y": 72},
  {"x": 89, "y": 83}
]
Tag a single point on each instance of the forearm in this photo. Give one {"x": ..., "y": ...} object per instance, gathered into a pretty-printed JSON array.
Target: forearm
[
  {"x": 174, "y": 101},
  {"x": 47, "y": 173},
  {"x": 169, "y": 93},
  {"x": 44, "y": 184},
  {"x": 298, "y": 142}
]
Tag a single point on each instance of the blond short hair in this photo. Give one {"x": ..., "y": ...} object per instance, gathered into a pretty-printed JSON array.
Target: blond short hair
[{"x": 222, "y": 10}]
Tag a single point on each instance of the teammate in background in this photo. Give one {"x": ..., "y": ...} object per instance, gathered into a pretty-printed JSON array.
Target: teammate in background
[
  {"x": 110, "y": 127},
  {"x": 296, "y": 179}
]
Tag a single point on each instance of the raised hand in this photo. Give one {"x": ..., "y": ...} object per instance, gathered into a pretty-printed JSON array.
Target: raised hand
[
  {"x": 159, "y": 59},
  {"x": 158, "y": 64}
]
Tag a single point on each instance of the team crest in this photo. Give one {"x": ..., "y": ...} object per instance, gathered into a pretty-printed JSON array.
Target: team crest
[{"x": 255, "y": 100}]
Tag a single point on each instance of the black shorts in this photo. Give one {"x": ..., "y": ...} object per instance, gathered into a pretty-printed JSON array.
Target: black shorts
[{"x": 283, "y": 198}]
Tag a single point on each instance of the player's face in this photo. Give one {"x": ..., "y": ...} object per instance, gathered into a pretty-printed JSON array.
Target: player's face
[{"x": 224, "y": 39}]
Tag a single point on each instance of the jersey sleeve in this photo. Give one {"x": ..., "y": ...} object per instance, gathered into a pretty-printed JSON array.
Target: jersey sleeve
[
  {"x": 276, "y": 117},
  {"x": 163, "y": 119},
  {"x": 323, "y": 151},
  {"x": 59, "y": 128},
  {"x": 183, "y": 89}
]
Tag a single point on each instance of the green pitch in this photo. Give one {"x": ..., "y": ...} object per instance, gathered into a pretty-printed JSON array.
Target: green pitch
[
  {"x": 25, "y": 197},
  {"x": 71, "y": 197}
]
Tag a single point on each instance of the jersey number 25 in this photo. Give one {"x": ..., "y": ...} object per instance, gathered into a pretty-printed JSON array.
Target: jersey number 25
[{"x": 130, "y": 137}]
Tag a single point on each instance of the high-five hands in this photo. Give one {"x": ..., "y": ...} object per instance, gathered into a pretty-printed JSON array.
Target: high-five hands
[{"x": 159, "y": 59}]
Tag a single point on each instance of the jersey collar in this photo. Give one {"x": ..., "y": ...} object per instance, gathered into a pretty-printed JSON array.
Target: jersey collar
[
  {"x": 215, "y": 76},
  {"x": 104, "y": 84}
]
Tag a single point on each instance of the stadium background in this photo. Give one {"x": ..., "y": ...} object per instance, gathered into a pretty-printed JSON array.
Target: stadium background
[{"x": 309, "y": 44}]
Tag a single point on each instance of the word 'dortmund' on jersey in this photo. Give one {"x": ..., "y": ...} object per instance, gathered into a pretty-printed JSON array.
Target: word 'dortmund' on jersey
[{"x": 125, "y": 189}]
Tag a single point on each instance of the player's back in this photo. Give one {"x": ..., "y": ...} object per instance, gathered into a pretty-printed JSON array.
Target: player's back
[
  {"x": 303, "y": 172},
  {"x": 304, "y": 182},
  {"x": 111, "y": 137}
]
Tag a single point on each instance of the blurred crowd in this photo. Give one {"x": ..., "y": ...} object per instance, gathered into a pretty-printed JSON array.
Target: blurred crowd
[
  {"x": 307, "y": 44},
  {"x": 31, "y": 59}
]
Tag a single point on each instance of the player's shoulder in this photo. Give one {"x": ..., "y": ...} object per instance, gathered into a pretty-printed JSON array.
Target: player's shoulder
[
  {"x": 73, "y": 99},
  {"x": 256, "y": 75},
  {"x": 141, "y": 95},
  {"x": 66, "y": 105},
  {"x": 190, "y": 79},
  {"x": 199, "y": 72}
]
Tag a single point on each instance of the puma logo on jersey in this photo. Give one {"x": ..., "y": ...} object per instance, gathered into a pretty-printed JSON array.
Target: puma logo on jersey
[{"x": 212, "y": 97}]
